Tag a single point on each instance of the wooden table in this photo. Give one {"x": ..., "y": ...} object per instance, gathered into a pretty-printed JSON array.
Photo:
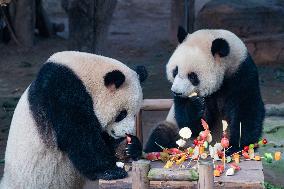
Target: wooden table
[{"x": 250, "y": 176}]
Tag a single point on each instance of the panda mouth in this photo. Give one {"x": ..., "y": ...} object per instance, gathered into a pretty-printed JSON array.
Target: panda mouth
[
  {"x": 177, "y": 94},
  {"x": 193, "y": 94}
]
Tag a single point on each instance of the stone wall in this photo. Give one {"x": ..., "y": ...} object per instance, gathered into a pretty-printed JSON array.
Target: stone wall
[{"x": 259, "y": 23}]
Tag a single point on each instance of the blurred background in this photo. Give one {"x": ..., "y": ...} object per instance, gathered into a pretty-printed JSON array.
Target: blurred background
[{"x": 139, "y": 32}]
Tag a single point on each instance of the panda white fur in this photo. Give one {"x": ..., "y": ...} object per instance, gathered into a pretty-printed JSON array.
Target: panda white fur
[
  {"x": 217, "y": 66},
  {"x": 67, "y": 122}
]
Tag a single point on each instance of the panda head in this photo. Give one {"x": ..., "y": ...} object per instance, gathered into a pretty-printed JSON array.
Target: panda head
[
  {"x": 202, "y": 60},
  {"x": 114, "y": 88}
]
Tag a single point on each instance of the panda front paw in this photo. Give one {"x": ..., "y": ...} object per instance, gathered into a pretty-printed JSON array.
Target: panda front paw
[
  {"x": 134, "y": 148},
  {"x": 198, "y": 106},
  {"x": 232, "y": 150},
  {"x": 112, "y": 174}
]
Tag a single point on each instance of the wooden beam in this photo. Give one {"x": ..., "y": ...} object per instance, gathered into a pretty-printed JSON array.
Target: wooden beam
[
  {"x": 162, "y": 174},
  {"x": 157, "y": 104}
]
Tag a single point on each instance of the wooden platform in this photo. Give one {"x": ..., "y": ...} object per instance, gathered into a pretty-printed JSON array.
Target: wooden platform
[{"x": 250, "y": 176}]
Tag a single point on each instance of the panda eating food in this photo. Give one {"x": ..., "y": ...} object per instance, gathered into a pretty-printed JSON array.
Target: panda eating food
[
  {"x": 69, "y": 121},
  {"x": 215, "y": 66}
]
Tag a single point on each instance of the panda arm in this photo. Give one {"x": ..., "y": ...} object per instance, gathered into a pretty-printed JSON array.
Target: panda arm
[
  {"x": 63, "y": 109},
  {"x": 171, "y": 116},
  {"x": 188, "y": 113},
  {"x": 164, "y": 134}
]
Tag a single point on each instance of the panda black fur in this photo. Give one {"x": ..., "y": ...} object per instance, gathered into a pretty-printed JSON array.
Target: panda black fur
[
  {"x": 69, "y": 121},
  {"x": 217, "y": 66}
]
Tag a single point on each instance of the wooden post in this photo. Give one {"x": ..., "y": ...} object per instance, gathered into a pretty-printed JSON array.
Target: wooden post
[
  {"x": 140, "y": 171},
  {"x": 139, "y": 131},
  {"x": 206, "y": 177}
]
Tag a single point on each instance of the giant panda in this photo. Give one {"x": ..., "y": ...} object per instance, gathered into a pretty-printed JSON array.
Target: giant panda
[
  {"x": 217, "y": 66},
  {"x": 69, "y": 120}
]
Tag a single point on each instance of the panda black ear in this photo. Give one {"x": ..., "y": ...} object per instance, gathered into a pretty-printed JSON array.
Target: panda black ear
[
  {"x": 142, "y": 72},
  {"x": 221, "y": 47},
  {"x": 114, "y": 78},
  {"x": 181, "y": 35}
]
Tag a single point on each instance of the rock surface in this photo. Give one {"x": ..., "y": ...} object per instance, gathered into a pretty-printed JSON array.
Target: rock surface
[
  {"x": 273, "y": 131},
  {"x": 259, "y": 23}
]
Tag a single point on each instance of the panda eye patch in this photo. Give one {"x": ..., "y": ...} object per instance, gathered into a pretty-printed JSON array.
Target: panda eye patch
[
  {"x": 193, "y": 78},
  {"x": 121, "y": 116},
  {"x": 175, "y": 72}
]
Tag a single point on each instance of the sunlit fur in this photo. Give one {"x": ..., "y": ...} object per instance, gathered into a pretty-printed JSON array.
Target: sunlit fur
[
  {"x": 228, "y": 90},
  {"x": 91, "y": 69},
  {"x": 30, "y": 162},
  {"x": 194, "y": 55}
]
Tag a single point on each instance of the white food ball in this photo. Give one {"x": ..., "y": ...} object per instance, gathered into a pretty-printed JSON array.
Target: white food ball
[
  {"x": 230, "y": 172},
  {"x": 180, "y": 142},
  {"x": 185, "y": 133},
  {"x": 120, "y": 164}
]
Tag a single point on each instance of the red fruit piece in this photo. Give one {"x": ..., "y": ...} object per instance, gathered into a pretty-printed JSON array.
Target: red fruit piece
[
  {"x": 151, "y": 156},
  {"x": 174, "y": 151},
  {"x": 264, "y": 141},
  {"x": 246, "y": 148},
  {"x": 204, "y": 124},
  {"x": 195, "y": 141},
  {"x": 225, "y": 142},
  {"x": 220, "y": 168},
  {"x": 128, "y": 139},
  {"x": 245, "y": 155},
  {"x": 204, "y": 134},
  {"x": 235, "y": 166},
  {"x": 220, "y": 153}
]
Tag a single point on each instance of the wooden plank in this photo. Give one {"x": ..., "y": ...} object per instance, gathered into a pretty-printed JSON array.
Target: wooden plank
[
  {"x": 173, "y": 184},
  {"x": 117, "y": 184},
  {"x": 161, "y": 174},
  {"x": 250, "y": 176}
]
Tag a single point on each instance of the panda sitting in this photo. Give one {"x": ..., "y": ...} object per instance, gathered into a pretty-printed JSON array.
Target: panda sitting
[
  {"x": 216, "y": 65},
  {"x": 69, "y": 121}
]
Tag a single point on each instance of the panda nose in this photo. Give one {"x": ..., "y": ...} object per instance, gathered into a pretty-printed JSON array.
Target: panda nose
[
  {"x": 176, "y": 94},
  {"x": 112, "y": 132}
]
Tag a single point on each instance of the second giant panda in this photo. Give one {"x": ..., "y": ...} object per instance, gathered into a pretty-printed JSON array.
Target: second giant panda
[
  {"x": 68, "y": 121},
  {"x": 217, "y": 66}
]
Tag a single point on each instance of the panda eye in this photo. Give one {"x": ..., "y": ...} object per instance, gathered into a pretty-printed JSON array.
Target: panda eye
[
  {"x": 193, "y": 78},
  {"x": 175, "y": 72},
  {"x": 121, "y": 116}
]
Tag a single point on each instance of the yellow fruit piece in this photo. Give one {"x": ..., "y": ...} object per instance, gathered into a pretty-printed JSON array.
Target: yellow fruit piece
[
  {"x": 169, "y": 164},
  {"x": 201, "y": 149},
  {"x": 204, "y": 155},
  {"x": 277, "y": 156},
  {"x": 257, "y": 158},
  {"x": 181, "y": 160},
  {"x": 216, "y": 173},
  {"x": 236, "y": 157}
]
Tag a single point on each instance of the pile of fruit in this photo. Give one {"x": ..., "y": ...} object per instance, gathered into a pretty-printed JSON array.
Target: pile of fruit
[{"x": 201, "y": 149}]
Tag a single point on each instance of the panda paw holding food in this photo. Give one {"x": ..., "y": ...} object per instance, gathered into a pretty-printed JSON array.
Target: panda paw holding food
[
  {"x": 70, "y": 121},
  {"x": 213, "y": 77}
]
